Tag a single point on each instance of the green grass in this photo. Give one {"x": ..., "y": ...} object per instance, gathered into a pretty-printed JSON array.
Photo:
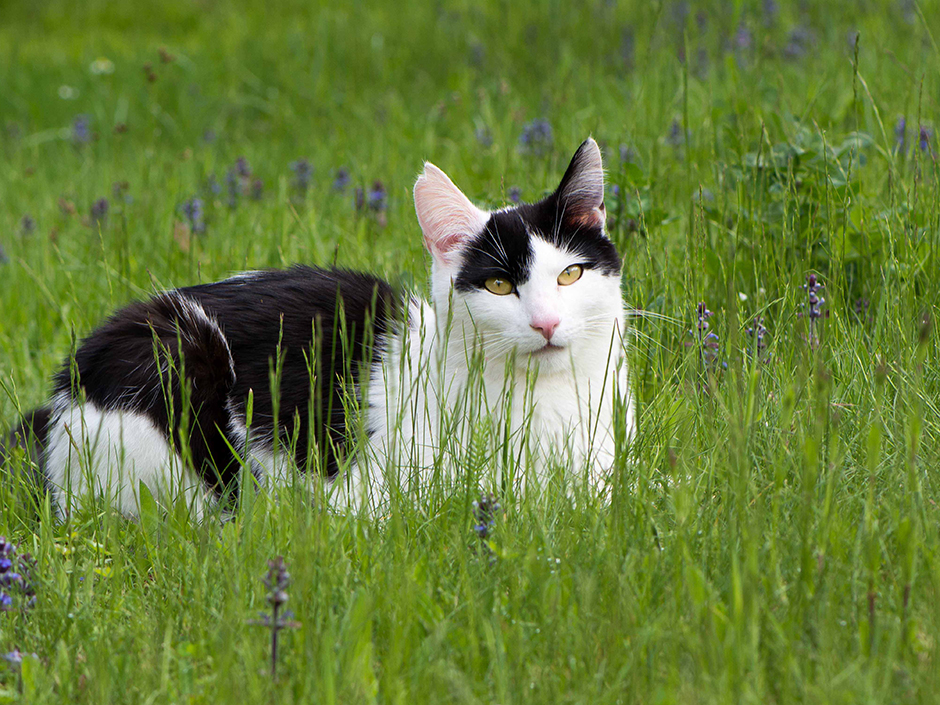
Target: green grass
[{"x": 775, "y": 538}]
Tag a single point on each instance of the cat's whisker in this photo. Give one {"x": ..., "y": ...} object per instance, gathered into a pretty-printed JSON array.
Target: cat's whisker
[{"x": 642, "y": 313}]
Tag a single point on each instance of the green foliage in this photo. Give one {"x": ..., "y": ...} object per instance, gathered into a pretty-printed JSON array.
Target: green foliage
[{"x": 772, "y": 535}]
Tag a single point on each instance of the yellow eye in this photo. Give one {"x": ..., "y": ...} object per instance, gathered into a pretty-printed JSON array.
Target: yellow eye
[
  {"x": 498, "y": 286},
  {"x": 570, "y": 275}
]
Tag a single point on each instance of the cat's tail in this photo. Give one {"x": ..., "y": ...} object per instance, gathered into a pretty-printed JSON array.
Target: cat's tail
[{"x": 23, "y": 448}]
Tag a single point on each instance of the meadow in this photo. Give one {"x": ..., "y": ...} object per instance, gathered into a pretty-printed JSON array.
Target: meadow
[{"x": 774, "y": 189}]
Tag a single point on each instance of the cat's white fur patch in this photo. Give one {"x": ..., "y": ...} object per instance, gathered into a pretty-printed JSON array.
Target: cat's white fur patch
[
  {"x": 110, "y": 453},
  {"x": 418, "y": 404}
]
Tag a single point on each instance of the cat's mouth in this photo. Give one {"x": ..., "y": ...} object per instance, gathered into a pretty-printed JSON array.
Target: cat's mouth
[{"x": 547, "y": 349}]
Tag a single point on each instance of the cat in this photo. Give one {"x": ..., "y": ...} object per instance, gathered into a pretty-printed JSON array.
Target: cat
[{"x": 521, "y": 344}]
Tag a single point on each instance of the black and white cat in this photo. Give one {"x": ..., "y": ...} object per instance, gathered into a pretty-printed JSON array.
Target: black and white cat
[{"x": 523, "y": 332}]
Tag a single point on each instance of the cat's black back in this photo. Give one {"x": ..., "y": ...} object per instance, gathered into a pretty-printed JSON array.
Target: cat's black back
[{"x": 330, "y": 325}]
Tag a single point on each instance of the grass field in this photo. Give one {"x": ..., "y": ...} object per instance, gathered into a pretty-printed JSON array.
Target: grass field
[{"x": 775, "y": 537}]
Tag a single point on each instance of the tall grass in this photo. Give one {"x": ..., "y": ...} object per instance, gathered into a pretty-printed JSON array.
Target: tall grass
[{"x": 773, "y": 534}]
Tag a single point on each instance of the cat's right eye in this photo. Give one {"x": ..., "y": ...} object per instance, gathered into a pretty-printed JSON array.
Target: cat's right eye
[{"x": 498, "y": 286}]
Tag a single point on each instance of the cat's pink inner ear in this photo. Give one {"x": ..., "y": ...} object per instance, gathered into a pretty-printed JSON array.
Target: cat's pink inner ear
[
  {"x": 448, "y": 219},
  {"x": 581, "y": 192}
]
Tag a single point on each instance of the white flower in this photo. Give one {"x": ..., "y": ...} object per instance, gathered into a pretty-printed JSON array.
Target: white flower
[
  {"x": 101, "y": 65},
  {"x": 742, "y": 296},
  {"x": 67, "y": 92}
]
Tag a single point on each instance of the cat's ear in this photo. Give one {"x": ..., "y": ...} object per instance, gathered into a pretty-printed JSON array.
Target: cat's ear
[
  {"x": 580, "y": 196},
  {"x": 447, "y": 217}
]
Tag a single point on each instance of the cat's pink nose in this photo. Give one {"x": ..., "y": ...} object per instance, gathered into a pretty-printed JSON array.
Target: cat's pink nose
[{"x": 546, "y": 326}]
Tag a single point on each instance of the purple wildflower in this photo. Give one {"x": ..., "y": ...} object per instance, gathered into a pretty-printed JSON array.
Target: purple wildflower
[
  {"x": 485, "y": 511},
  {"x": 341, "y": 179},
  {"x": 477, "y": 54},
  {"x": 303, "y": 173},
  {"x": 771, "y": 10},
  {"x": 483, "y": 136},
  {"x": 242, "y": 168},
  {"x": 194, "y": 213},
  {"x": 515, "y": 194},
  {"x": 15, "y": 576},
  {"x": 627, "y": 48},
  {"x": 81, "y": 132},
  {"x": 860, "y": 308},
  {"x": 813, "y": 307},
  {"x": 536, "y": 138},
  {"x": 675, "y": 136},
  {"x": 708, "y": 344},
  {"x": 27, "y": 224},
  {"x": 232, "y": 187},
  {"x": 900, "y": 135},
  {"x": 756, "y": 332},
  {"x": 257, "y": 190},
  {"x": 926, "y": 134},
  {"x": 212, "y": 185},
  {"x": 799, "y": 43},
  {"x": 276, "y": 582},
  {"x": 99, "y": 210},
  {"x": 743, "y": 39},
  {"x": 377, "y": 198}
]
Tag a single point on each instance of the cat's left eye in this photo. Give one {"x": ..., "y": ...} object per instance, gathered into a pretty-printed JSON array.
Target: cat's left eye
[
  {"x": 498, "y": 286},
  {"x": 570, "y": 275}
]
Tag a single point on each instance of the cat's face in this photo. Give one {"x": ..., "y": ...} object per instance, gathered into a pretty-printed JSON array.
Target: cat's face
[{"x": 540, "y": 281}]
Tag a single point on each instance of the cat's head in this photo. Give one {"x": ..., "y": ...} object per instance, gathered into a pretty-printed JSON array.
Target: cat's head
[{"x": 540, "y": 279}]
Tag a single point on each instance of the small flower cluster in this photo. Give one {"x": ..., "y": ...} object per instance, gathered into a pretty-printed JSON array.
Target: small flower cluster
[
  {"x": 860, "y": 309},
  {"x": 676, "y": 137},
  {"x": 924, "y": 137},
  {"x": 303, "y": 174},
  {"x": 194, "y": 213},
  {"x": 27, "y": 225},
  {"x": 341, "y": 179},
  {"x": 536, "y": 138},
  {"x": 707, "y": 341},
  {"x": 485, "y": 510},
  {"x": 813, "y": 307},
  {"x": 276, "y": 581},
  {"x": 373, "y": 201},
  {"x": 81, "y": 130},
  {"x": 15, "y": 577},
  {"x": 239, "y": 181},
  {"x": 757, "y": 332},
  {"x": 99, "y": 211}
]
